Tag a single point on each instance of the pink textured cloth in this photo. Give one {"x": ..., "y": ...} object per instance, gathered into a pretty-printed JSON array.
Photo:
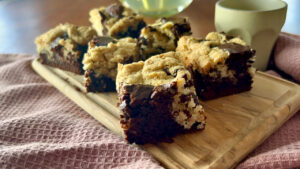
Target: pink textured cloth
[
  {"x": 287, "y": 55},
  {"x": 41, "y": 128}
]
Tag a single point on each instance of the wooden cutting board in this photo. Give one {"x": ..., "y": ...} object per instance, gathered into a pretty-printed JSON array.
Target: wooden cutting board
[{"x": 235, "y": 124}]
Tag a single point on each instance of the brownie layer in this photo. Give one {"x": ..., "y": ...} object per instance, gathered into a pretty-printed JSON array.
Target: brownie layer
[
  {"x": 73, "y": 65},
  {"x": 98, "y": 84}
]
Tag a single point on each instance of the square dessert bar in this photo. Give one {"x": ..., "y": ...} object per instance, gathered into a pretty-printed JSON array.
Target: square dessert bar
[
  {"x": 157, "y": 99},
  {"x": 64, "y": 46},
  {"x": 220, "y": 64},
  {"x": 162, "y": 36},
  {"x": 116, "y": 21},
  {"x": 101, "y": 61}
]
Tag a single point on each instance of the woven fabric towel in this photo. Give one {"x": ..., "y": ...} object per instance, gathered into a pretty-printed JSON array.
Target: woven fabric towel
[
  {"x": 287, "y": 55},
  {"x": 41, "y": 128}
]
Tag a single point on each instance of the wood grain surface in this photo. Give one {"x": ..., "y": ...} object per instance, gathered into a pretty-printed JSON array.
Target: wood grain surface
[
  {"x": 22, "y": 20},
  {"x": 236, "y": 124}
]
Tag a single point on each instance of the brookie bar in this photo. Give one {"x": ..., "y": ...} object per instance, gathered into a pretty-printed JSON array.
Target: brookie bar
[
  {"x": 157, "y": 99},
  {"x": 162, "y": 36},
  {"x": 116, "y": 21},
  {"x": 101, "y": 61},
  {"x": 220, "y": 64},
  {"x": 64, "y": 46}
]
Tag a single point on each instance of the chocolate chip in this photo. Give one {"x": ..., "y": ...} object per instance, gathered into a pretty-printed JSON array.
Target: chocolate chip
[
  {"x": 103, "y": 22},
  {"x": 200, "y": 40},
  {"x": 212, "y": 46},
  {"x": 142, "y": 41},
  {"x": 115, "y": 10},
  {"x": 251, "y": 61},
  {"x": 167, "y": 71},
  {"x": 188, "y": 83},
  {"x": 195, "y": 99},
  {"x": 103, "y": 17},
  {"x": 58, "y": 50},
  {"x": 187, "y": 113},
  {"x": 102, "y": 41},
  {"x": 184, "y": 98},
  {"x": 151, "y": 29},
  {"x": 129, "y": 60},
  {"x": 181, "y": 29},
  {"x": 139, "y": 92},
  {"x": 175, "y": 72},
  {"x": 55, "y": 42},
  {"x": 65, "y": 36}
]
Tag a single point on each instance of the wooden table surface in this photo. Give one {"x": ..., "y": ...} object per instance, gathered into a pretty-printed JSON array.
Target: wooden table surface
[{"x": 22, "y": 20}]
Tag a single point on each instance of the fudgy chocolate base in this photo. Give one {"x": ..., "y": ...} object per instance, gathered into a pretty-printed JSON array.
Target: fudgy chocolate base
[
  {"x": 71, "y": 62},
  {"x": 71, "y": 65},
  {"x": 98, "y": 84},
  {"x": 209, "y": 88},
  {"x": 239, "y": 61},
  {"x": 147, "y": 116}
]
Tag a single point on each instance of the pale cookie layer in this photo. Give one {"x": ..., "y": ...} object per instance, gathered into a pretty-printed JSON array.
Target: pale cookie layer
[
  {"x": 203, "y": 54},
  {"x": 78, "y": 34},
  {"x": 157, "y": 70}
]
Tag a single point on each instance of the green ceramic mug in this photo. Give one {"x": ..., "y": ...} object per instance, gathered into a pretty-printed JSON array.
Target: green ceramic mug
[{"x": 258, "y": 22}]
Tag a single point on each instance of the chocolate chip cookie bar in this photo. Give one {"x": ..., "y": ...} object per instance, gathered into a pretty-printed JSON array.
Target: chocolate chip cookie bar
[
  {"x": 162, "y": 36},
  {"x": 220, "y": 64},
  {"x": 157, "y": 99},
  {"x": 116, "y": 21},
  {"x": 101, "y": 61},
  {"x": 64, "y": 46}
]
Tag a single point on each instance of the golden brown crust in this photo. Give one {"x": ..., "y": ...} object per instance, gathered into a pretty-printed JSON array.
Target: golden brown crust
[{"x": 157, "y": 70}]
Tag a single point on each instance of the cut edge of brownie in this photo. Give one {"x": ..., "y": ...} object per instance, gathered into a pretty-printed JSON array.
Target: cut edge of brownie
[
  {"x": 98, "y": 84},
  {"x": 71, "y": 62},
  {"x": 74, "y": 67}
]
